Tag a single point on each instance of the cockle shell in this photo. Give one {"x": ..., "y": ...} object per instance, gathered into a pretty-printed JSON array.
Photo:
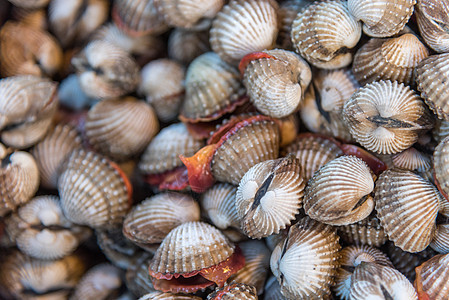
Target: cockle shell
[
  {"x": 432, "y": 17},
  {"x": 407, "y": 206},
  {"x": 440, "y": 241},
  {"x": 168, "y": 296},
  {"x": 314, "y": 247},
  {"x": 386, "y": 117},
  {"x": 286, "y": 14},
  {"x": 36, "y": 18},
  {"x": 136, "y": 277},
  {"x": 19, "y": 177},
  {"x": 269, "y": 196},
  {"x": 365, "y": 232},
  {"x": 186, "y": 45},
  {"x": 93, "y": 190},
  {"x": 339, "y": 192},
  {"x": 389, "y": 59},
  {"x": 441, "y": 168},
  {"x": 414, "y": 160},
  {"x": 441, "y": 130},
  {"x": 275, "y": 81},
  {"x": 432, "y": 278},
  {"x": 324, "y": 32},
  {"x": 240, "y": 291},
  {"x": 30, "y": 4},
  {"x": 105, "y": 70},
  {"x": 152, "y": 219}
]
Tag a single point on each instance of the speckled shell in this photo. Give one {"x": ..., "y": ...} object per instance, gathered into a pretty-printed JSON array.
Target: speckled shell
[
  {"x": 365, "y": 232},
  {"x": 93, "y": 191},
  {"x": 151, "y": 220},
  {"x": 218, "y": 203},
  {"x": 211, "y": 86},
  {"x": 407, "y": 207},
  {"x": 339, "y": 193},
  {"x": 273, "y": 289},
  {"x": 186, "y": 45},
  {"x": 389, "y": 59},
  {"x": 286, "y": 14},
  {"x": 314, "y": 247},
  {"x": 105, "y": 70},
  {"x": 163, "y": 86},
  {"x": 240, "y": 291},
  {"x": 324, "y": 31},
  {"x": 382, "y": 18},
  {"x": 168, "y": 296},
  {"x": 431, "y": 77},
  {"x": 276, "y": 84},
  {"x": 432, "y": 277},
  {"x": 432, "y": 17},
  {"x": 25, "y": 50},
  {"x": 269, "y": 196},
  {"x": 19, "y": 177},
  {"x": 386, "y": 117},
  {"x": 242, "y": 27},
  {"x": 136, "y": 277},
  {"x": 198, "y": 245},
  {"x": 162, "y": 154}
]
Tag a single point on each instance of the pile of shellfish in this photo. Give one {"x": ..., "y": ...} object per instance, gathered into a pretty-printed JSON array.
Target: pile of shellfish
[{"x": 224, "y": 149}]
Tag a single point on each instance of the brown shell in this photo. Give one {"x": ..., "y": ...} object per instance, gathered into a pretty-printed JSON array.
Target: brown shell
[
  {"x": 168, "y": 296},
  {"x": 286, "y": 14},
  {"x": 441, "y": 169},
  {"x": 365, "y": 232},
  {"x": 136, "y": 277},
  {"x": 186, "y": 45},
  {"x": 30, "y": 4},
  {"x": 432, "y": 17},
  {"x": 240, "y": 291},
  {"x": 441, "y": 130},
  {"x": 414, "y": 160},
  {"x": 36, "y": 18},
  {"x": 389, "y": 59},
  {"x": 432, "y": 277},
  {"x": 324, "y": 31}
]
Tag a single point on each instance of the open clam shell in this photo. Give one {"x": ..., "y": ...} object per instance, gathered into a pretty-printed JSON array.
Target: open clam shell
[
  {"x": 241, "y": 291},
  {"x": 432, "y": 17},
  {"x": 432, "y": 278},
  {"x": 365, "y": 232}
]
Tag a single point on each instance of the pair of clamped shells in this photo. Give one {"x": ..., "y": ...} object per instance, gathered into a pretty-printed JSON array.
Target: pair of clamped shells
[{"x": 432, "y": 18}]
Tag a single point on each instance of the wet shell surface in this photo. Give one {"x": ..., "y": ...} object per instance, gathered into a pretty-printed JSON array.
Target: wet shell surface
[
  {"x": 269, "y": 196},
  {"x": 240, "y": 291},
  {"x": 382, "y": 18},
  {"x": 186, "y": 45},
  {"x": 407, "y": 206},
  {"x": 432, "y": 277},
  {"x": 339, "y": 193},
  {"x": 386, "y": 117},
  {"x": 365, "y": 232},
  {"x": 432, "y": 17},
  {"x": 389, "y": 59},
  {"x": 242, "y": 27},
  {"x": 313, "y": 246},
  {"x": 324, "y": 32}
]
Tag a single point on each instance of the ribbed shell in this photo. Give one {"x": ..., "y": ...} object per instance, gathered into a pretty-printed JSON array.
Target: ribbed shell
[
  {"x": 242, "y": 27},
  {"x": 431, "y": 77},
  {"x": 440, "y": 165},
  {"x": 432, "y": 17},
  {"x": 239, "y": 291},
  {"x": 162, "y": 154},
  {"x": 414, "y": 160},
  {"x": 93, "y": 192},
  {"x": 19, "y": 177},
  {"x": 338, "y": 194},
  {"x": 152, "y": 219},
  {"x": 168, "y": 296},
  {"x": 121, "y": 128},
  {"x": 434, "y": 277},
  {"x": 440, "y": 241},
  {"x": 276, "y": 85},
  {"x": 286, "y": 14},
  {"x": 52, "y": 150},
  {"x": 218, "y": 203},
  {"x": 273, "y": 289},
  {"x": 269, "y": 196},
  {"x": 30, "y": 4},
  {"x": 189, "y": 247},
  {"x": 389, "y": 59},
  {"x": 365, "y": 232},
  {"x": 324, "y": 31},
  {"x": 136, "y": 277},
  {"x": 25, "y": 50},
  {"x": 441, "y": 130},
  {"x": 163, "y": 86},
  {"x": 407, "y": 206},
  {"x": 382, "y": 18},
  {"x": 386, "y": 117},
  {"x": 306, "y": 262},
  {"x": 185, "y": 45},
  {"x": 211, "y": 86}
]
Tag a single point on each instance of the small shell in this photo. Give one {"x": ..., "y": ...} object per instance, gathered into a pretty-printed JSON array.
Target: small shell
[
  {"x": 269, "y": 196},
  {"x": 306, "y": 262},
  {"x": 432, "y": 17},
  {"x": 136, "y": 277},
  {"x": 324, "y": 32},
  {"x": 239, "y": 291},
  {"x": 414, "y": 160},
  {"x": 441, "y": 130},
  {"x": 242, "y": 27},
  {"x": 389, "y": 59},
  {"x": 365, "y": 232},
  {"x": 432, "y": 278},
  {"x": 386, "y": 117},
  {"x": 407, "y": 206},
  {"x": 168, "y": 296},
  {"x": 30, "y": 4},
  {"x": 185, "y": 45},
  {"x": 440, "y": 241}
]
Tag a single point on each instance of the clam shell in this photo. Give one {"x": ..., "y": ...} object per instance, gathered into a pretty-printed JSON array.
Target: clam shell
[
  {"x": 407, "y": 206},
  {"x": 386, "y": 117},
  {"x": 382, "y": 18},
  {"x": 186, "y": 45},
  {"x": 234, "y": 291},
  {"x": 242, "y": 27},
  {"x": 440, "y": 241},
  {"x": 27, "y": 133},
  {"x": 365, "y": 232},
  {"x": 151, "y": 220},
  {"x": 441, "y": 130},
  {"x": 36, "y": 18},
  {"x": 323, "y": 32},
  {"x": 269, "y": 196},
  {"x": 389, "y": 59},
  {"x": 286, "y": 14},
  {"x": 168, "y": 296},
  {"x": 33, "y": 4},
  {"x": 313, "y": 246},
  {"x": 273, "y": 289},
  {"x": 276, "y": 84},
  {"x": 93, "y": 192},
  {"x": 441, "y": 169},
  {"x": 432, "y": 277},
  {"x": 289, "y": 129},
  {"x": 432, "y": 17},
  {"x": 136, "y": 277},
  {"x": 414, "y": 160},
  {"x": 339, "y": 192}
]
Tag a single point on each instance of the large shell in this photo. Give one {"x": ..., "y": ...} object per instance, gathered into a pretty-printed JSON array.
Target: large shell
[
  {"x": 121, "y": 128},
  {"x": 239, "y": 291},
  {"x": 276, "y": 82},
  {"x": 382, "y": 18},
  {"x": 306, "y": 261},
  {"x": 432, "y": 17},
  {"x": 389, "y": 59},
  {"x": 93, "y": 190},
  {"x": 432, "y": 277},
  {"x": 242, "y": 27},
  {"x": 324, "y": 32},
  {"x": 338, "y": 194},
  {"x": 186, "y": 45},
  {"x": 407, "y": 206},
  {"x": 386, "y": 117},
  {"x": 151, "y": 220},
  {"x": 269, "y": 196},
  {"x": 365, "y": 232}
]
